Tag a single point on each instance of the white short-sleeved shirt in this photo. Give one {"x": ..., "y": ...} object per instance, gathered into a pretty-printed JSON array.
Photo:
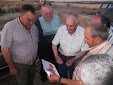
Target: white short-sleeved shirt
[
  {"x": 23, "y": 45},
  {"x": 70, "y": 45}
]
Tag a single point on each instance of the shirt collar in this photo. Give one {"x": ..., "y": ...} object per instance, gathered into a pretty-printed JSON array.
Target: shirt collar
[
  {"x": 98, "y": 45},
  {"x": 20, "y": 23},
  {"x": 75, "y": 33},
  {"x": 18, "y": 19}
]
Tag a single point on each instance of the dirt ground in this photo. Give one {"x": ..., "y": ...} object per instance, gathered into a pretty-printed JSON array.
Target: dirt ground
[{"x": 84, "y": 21}]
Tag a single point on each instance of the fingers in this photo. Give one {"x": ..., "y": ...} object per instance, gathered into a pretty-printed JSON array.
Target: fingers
[{"x": 68, "y": 63}]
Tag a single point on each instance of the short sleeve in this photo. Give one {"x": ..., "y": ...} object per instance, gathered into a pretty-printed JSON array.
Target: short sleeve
[
  {"x": 56, "y": 39},
  {"x": 6, "y": 36}
]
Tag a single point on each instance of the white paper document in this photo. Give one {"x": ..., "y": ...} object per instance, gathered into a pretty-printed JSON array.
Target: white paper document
[{"x": 49, "y": 68}]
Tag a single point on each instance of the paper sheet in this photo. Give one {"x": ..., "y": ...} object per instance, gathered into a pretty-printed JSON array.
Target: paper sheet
[{"x": 49, "y": 68}]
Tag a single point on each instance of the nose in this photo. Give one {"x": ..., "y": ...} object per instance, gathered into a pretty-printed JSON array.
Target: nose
[{"x": 31, "y": 22}]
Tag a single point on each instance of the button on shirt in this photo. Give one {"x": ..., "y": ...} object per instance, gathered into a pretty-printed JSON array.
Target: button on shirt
[
  {"x": 49, "y": 28},
  {"x": 23, "y": 45},
  {"x": 70, "y": 45}
]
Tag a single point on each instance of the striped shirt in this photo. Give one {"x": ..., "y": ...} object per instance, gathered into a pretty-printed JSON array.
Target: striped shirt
[
  {"x": 103, "y": 48},
  {"x": 70, "y": 45},
  {"x": 23, "y": 45}
]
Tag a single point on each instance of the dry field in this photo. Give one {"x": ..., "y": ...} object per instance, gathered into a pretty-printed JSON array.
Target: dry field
[
  {"x": 14, "y": 6},
  {"x": 89, "y": 5},
  {"x": 84, "y": 21},
  {"x": 17, "y": 3}
]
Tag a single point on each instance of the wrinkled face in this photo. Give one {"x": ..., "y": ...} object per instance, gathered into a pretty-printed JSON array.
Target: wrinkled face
[
  {"x": 71, "y": 24},
  {"x": 27, "y": 19},
  {"x": 88, "y": 38},
  {"x": 47, "y": 13}
]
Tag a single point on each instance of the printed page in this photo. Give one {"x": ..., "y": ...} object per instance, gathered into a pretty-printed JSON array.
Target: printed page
[{"x": 49, "y": 68}]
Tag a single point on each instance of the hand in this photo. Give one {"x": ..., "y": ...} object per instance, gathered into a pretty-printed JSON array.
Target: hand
[
  {"x": 53, "y": 78},
  {"x": 13, "y": 71},
  {"x": 70, "y": 62},
  {"x": 59, "y": 60}
]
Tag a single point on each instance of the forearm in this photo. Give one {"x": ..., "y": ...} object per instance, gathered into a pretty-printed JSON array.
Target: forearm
[
  {"x": 69, "y": 82},
  {"x": 80, "y": 54},
  {"x": 55, "y": 51},
  {"x": 7, "y": 57},
  {"x": 55, "y": 79}
]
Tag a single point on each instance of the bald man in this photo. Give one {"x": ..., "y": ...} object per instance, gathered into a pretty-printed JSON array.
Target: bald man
[{"x": 70, "y": 38}]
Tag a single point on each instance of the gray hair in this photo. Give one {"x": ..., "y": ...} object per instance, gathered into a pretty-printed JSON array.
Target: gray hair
[
  {"x": 47, "y": 4},
  {"x": 99, "y": 30},
  {"x": 25, "y": 8},
  {"x": 73, "y": 14},
  {"x": 97, "y": 70}
]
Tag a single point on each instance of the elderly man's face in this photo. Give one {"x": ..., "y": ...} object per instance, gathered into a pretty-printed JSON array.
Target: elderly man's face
[
  {"x": 71, "y": 24},
  {"x": 88, "y": 38},
  {"x": 47, "y": 13}
]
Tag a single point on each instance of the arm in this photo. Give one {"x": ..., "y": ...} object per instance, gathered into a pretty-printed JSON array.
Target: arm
[
  {"x": 71, "y": 61},
  {"x": 54, "y": 79},
  {"x": 9, "y": 60},
  {"x": 55, "y": 51}
]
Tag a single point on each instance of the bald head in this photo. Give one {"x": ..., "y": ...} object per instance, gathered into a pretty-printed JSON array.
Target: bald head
[
  {"x": 96, "y": 19},
  {"x": 71, "y": 23},
  {"x": 102, "y": 20},
  {"x": 70, "y": 19}
]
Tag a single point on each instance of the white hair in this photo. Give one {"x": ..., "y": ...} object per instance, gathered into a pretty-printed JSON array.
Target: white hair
[{"x": 97, "y": 70}]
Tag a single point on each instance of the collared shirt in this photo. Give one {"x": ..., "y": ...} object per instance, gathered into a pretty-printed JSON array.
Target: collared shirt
[
  {"x": 23, "y": 45},
  {"x": 103, "y": 48},
  {"x": 110, "y": 38},
  {"x": 70, "y": 45},
  {"x": 49, "y": 28}
]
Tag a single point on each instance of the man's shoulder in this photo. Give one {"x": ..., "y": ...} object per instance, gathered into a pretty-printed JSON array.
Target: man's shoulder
[
  {"x": 41, "y": 19},
  {"x": 10, "y": 23},
  {"x": 80, "y": 29},
  {"x": 54, "y": 15},
  {"x": 62, "y": 28}
]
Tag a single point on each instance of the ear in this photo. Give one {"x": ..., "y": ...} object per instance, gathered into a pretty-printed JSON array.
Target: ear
[
  {"x": 77, "y": 23},
  {"x": 21, "y": 14},
  {"x": 98, "y": 40},
  {"x": 42, "y": 11}
]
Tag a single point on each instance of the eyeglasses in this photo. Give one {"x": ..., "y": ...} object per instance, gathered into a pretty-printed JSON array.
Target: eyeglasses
[{"x": 48, "y": 14}]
